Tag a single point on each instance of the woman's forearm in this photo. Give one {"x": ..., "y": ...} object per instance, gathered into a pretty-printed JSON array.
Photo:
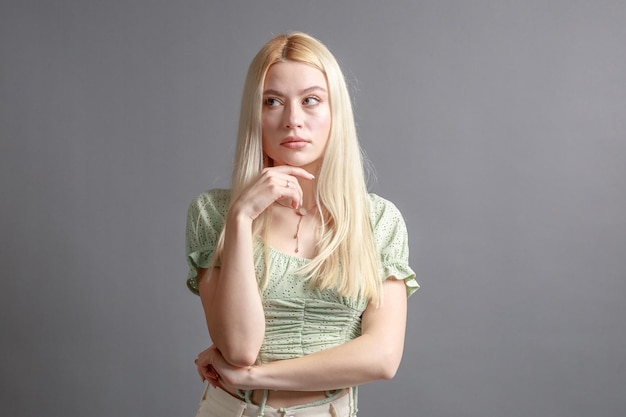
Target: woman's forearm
[
  {"x": 374, "y": 355},
  {"x": 231, "y": 298},
  {"x": 351, "y": 364}
]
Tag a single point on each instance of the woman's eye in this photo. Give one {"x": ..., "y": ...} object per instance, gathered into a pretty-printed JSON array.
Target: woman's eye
[
  {"x": 272, "y": 102},
  {"x": 311, "y": 101}
]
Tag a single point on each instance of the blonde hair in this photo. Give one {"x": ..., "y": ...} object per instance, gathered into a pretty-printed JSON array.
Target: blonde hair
[{"x": 346, "y": 259}]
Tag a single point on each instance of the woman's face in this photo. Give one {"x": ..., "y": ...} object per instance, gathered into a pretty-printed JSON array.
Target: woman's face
[{"x": 296, "y": 115}]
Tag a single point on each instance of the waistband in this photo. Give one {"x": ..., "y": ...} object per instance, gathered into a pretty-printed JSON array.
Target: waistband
[{"x": 328, "y": 406}]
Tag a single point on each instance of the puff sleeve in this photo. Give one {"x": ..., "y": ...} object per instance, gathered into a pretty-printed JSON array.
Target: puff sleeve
[
  {"x": 205, "y": 221},
  {"x": 391, "y": 239}
]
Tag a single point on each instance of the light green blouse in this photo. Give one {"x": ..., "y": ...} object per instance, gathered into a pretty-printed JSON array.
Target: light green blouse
[{"x": 300, "y": 320}]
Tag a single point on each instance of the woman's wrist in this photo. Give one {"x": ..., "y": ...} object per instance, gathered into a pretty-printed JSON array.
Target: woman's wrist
[
  {"x": 237, "y": 215},
  {"x": 250, "y": 377},
  {"x": 238, "y": 223},
  {"x": 245, "y": 379}
]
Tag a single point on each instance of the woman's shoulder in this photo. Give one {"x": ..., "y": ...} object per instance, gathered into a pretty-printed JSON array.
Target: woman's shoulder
[
  {"x": 215, "y": 194},
  {"x": 382, "y": 209},
  {"x": 214, "y": 200}
]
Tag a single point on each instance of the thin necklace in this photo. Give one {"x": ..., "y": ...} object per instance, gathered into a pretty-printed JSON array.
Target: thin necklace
[{"x": 301, "y": 212}]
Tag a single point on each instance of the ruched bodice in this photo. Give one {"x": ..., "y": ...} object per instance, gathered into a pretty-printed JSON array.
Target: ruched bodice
[
  {"x": 299, "y": 326},
  {"x": 300, "y": 320}
]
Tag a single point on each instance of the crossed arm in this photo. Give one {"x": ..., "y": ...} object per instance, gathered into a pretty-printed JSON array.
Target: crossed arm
[{"x": 374, "y": 355}]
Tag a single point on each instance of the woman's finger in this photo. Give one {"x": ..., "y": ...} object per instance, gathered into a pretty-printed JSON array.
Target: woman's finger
[
  {"x": 274, "y": 184},
  {"x": 294, "y": 171}
]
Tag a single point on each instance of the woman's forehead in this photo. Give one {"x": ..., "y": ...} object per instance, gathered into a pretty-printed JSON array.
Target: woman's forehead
[{"x": 294, "y": 76}]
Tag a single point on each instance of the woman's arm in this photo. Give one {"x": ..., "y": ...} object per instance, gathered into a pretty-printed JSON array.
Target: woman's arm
[
  {"x": 374, "y": 355},
  {"x": 230, "y": 294},
  {"x": 230, "y": 297}
]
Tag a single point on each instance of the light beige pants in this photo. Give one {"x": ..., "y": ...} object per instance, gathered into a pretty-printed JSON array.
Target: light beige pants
[{"x": 218, "y": 403}]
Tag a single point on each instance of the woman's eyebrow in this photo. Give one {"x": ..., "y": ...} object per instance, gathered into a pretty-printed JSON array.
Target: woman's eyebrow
[
  {"x": 271, "y": 91},
  {"x": 313, "y": 88}
]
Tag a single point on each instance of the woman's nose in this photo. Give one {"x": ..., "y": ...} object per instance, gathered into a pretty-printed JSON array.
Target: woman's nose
[{"x": 293, "y": 117}]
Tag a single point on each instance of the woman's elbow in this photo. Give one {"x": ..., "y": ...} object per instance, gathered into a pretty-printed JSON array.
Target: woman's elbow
[
  {"x": 388, "y": 373},
  {"x": 240, "y": 357},
  {"x": 237, "y": 351},
  {"x": 389, "y": 363}
]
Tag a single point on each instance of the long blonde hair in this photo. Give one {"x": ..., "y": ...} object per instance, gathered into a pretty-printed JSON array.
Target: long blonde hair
[{"x": 346, "y": 259}]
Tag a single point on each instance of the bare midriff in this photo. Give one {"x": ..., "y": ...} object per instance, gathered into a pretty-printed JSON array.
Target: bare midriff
[{"x": 279, "y": 399}]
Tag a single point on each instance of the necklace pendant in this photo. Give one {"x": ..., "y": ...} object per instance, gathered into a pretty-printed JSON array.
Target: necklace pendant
[{"x": 301, "y": 211}]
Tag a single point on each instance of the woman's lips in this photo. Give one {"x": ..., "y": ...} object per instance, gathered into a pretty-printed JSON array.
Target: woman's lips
[{"x": 294, "y": 143}]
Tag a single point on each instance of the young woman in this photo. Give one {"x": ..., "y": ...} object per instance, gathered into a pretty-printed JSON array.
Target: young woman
[{"x": 302, "y": 274}]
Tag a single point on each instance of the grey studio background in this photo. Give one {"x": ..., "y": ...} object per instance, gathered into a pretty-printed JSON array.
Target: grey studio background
[{"x": 497, "y": 127}]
